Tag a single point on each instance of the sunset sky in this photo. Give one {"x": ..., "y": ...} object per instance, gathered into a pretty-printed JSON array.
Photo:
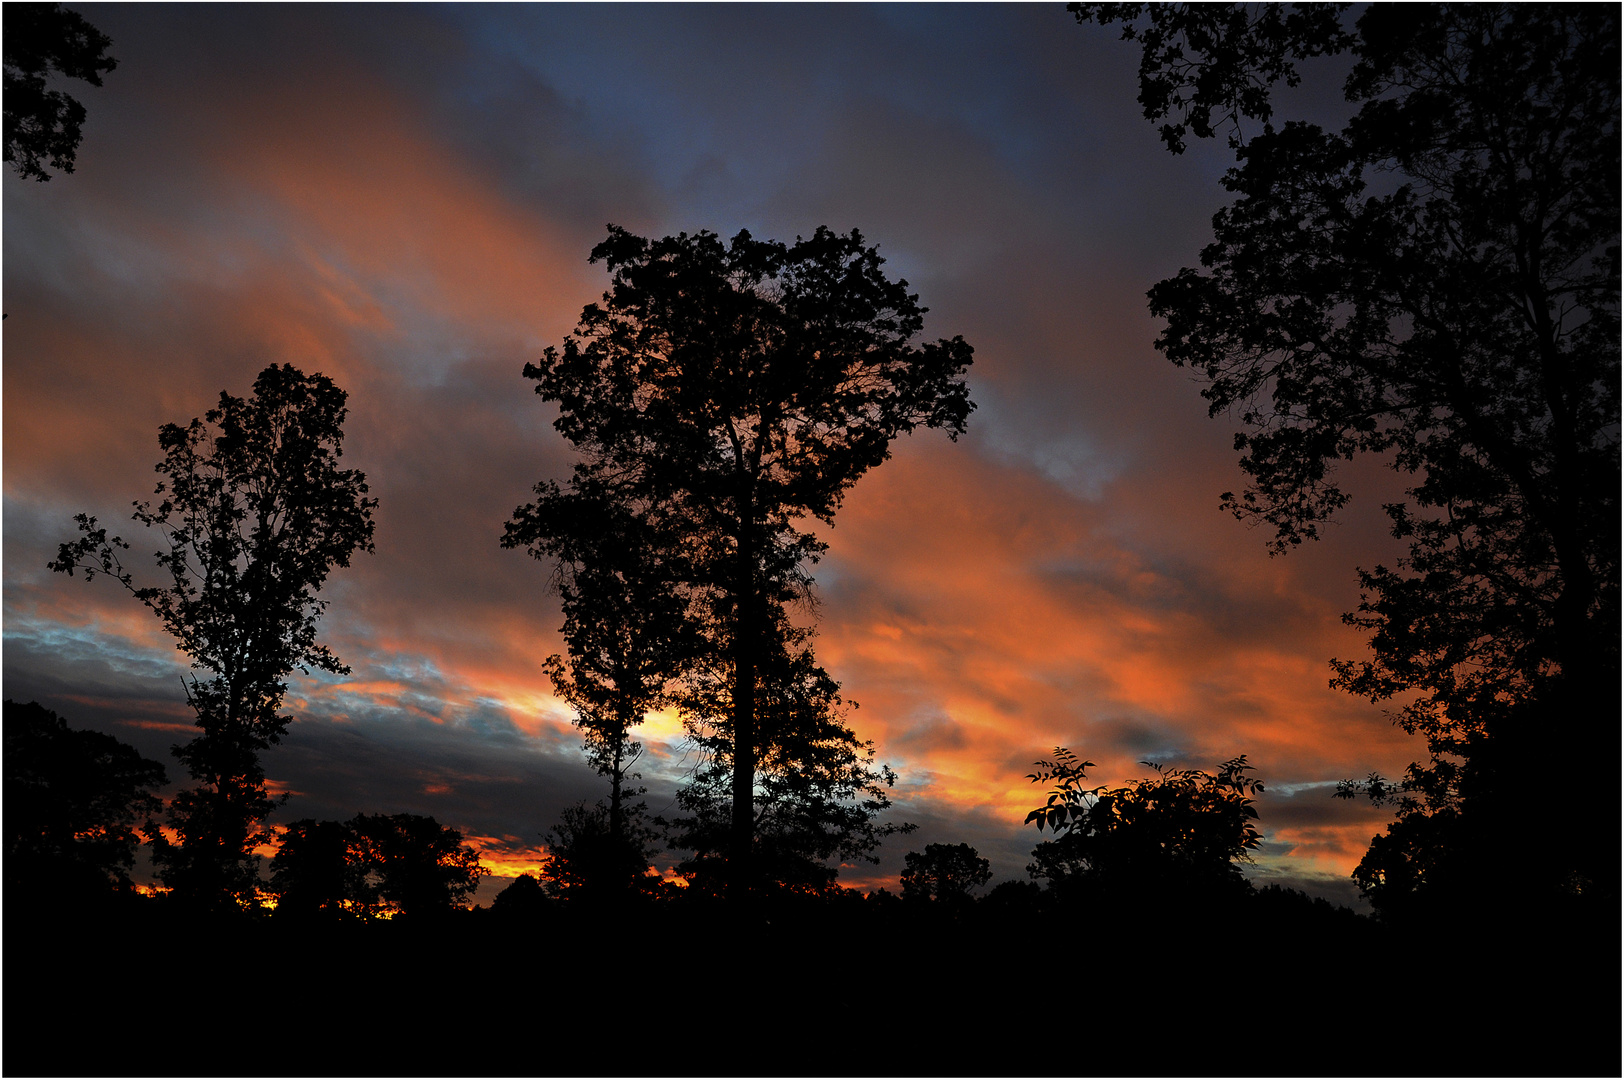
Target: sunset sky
[{"x": 404, "y": 199}]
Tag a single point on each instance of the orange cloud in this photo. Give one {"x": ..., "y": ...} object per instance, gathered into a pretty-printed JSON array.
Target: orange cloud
[
  {"x": 981, "y": 617},
  {"x": 508, "y": 856}
]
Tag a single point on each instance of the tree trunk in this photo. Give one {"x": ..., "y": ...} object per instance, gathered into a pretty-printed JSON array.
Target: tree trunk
[
  {"x": 742, "y": 832},
  {"x": 616, "y": 825}
]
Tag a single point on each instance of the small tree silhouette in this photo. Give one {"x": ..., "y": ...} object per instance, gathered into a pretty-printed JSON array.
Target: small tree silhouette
[
  {"x": 316, "y": 870},
  {"x": 414, "y": 864},
  {"x": 625, "y": 624},
  {"x": 589, "y": 859},
  {"x": 525, "y": 898},
  {"x": 72, "y": 799},
  {"x": 1181, "y": 828},
  {"x": 945, "y": 873}
]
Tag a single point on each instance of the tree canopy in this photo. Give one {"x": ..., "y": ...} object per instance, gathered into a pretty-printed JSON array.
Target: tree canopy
[
  {"x": 590, "y": 858},
  {"x": 372, "y": 865},
  {"x": 1212, "y": 67},
  {"x": 944, "y": 873},
  {"x": 722, "y": 394},
  {"x": 1437, "y": 284},
  {"x": 413, "y": 864},
  {"x": 43, "y": 126},
  {"x": 254, "y": 514},
  {"x": 316, "y": 870}
]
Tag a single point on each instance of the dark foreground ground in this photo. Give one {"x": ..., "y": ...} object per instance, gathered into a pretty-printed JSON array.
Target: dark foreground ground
[{"x": 1262, "y": 989}]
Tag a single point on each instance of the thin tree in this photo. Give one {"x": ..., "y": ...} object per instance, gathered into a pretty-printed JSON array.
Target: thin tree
[
  {"x": 254, "y": 513},
  {"x": 625, "y": 626}
]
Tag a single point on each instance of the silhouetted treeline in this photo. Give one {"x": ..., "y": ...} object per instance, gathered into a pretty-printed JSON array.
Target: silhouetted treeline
[
  {"x": 372, "y": 863},
  {"x": 1017, "y": 981},
  {"x": 1105, "y": 958}
]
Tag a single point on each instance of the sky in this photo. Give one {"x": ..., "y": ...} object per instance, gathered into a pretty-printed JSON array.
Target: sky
[{"x": 403, "y": 198}]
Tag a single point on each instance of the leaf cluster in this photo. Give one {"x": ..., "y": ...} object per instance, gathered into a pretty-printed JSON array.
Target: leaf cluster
[
  {"x": 747, "y": 385},
  {"x": 43, "y": 125},
  {"x": 792, "y": 364},
  {"x": 1181, "y": 824},
  {"x": 1213, "y": 66}
]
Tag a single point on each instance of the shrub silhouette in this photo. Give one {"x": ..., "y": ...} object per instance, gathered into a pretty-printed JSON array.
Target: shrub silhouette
[{"x": 1181, "y": 829}]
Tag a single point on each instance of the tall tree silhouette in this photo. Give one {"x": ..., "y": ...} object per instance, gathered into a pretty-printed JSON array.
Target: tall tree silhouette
[
  {"x": 43, "y": 126},
  {"x": 1437, "y": 283},
  {"x": 72, "y": 801},
  {"x": 726, "y": 392},
  {"x": 255, "y": 513}
]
